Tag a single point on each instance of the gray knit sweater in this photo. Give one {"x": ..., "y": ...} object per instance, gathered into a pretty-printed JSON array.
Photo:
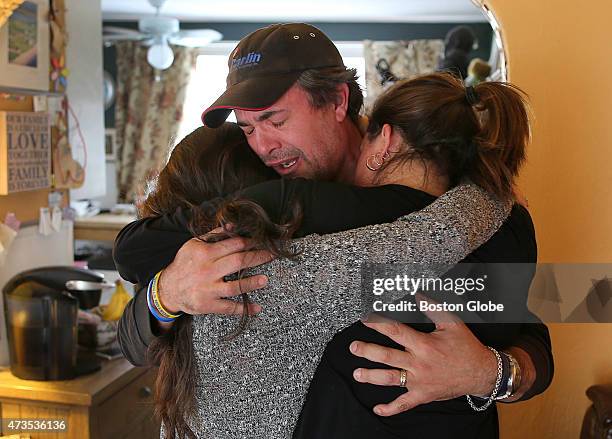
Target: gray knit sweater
[{"x": 254, "y": 385}]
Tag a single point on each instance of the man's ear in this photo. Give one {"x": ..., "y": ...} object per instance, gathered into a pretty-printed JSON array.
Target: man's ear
[{"x": 341, "y": 104}]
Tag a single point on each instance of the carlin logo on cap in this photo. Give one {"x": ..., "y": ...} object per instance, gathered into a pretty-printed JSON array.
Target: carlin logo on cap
[{"x": 250, "y": 60}]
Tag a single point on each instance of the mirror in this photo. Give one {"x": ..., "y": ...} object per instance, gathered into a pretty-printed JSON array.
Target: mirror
[{"x": 498, "y": 60}]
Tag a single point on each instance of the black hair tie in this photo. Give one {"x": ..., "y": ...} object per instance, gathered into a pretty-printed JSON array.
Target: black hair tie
[{"x": 471, "y": 96}]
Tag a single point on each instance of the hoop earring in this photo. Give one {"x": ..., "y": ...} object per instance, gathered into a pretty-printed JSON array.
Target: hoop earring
[
  {"x": 369, "y": 166},
  {"x": 376, "y": 161},
  {"x": 378, "y": 158}
]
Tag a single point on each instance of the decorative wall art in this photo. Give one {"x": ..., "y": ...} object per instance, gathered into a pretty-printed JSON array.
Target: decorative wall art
[
  {"x": 25, "y": 151},
  {"x": 24, "y": 47}
]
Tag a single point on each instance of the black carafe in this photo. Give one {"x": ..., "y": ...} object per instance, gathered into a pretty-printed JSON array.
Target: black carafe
[{"x": 41, "y": 319}]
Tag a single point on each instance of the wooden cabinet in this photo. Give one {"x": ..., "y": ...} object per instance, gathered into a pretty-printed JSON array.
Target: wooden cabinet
[{"x": 115, "y": 402}]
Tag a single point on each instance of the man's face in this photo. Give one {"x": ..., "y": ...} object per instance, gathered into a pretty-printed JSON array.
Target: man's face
[{"x": 294, "y": 138}]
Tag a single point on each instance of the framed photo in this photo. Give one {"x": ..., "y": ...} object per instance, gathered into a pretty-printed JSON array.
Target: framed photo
[
  {"x": 110, "y": 146},
  {"x": 24, "y": 47}
]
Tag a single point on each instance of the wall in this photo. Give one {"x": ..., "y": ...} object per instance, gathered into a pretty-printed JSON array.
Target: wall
[
  {"x": 559, "y": 52},
  {"x": 85, "y": 93},
  {"x": 84, "y": 59}
]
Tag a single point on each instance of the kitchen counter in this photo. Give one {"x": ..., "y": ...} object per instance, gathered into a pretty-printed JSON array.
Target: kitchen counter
[
  {"x": 114, "y": 402},
  {"x": 101, "y": 227}
]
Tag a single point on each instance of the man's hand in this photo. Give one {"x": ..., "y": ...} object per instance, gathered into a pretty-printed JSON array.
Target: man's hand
[
  {"x": 444, "y": 364},
  {"x": 193, "y": 282}
]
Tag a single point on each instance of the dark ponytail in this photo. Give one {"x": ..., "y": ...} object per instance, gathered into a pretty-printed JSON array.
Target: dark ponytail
[
  {"x": 504, "y": 134},
  {"x": 207, "y": 165},
  {"x": 480, "y": 134}
]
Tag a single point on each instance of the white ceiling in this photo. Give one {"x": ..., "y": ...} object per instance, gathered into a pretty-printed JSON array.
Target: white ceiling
[{"x": 390, "y": 11}]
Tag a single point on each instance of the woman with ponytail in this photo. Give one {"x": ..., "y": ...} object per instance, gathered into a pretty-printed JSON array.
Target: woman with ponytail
[
  {"x": 431, "y": 133},
  {"x": 475, "y": 133},
  {"x": 231, "y": 377}
]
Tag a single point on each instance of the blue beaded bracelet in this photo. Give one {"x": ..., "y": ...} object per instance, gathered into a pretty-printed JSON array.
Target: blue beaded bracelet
[{"x": 152, "y": 308}]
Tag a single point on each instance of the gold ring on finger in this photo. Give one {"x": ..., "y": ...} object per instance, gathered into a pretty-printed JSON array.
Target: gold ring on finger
[{"x": 403, "y": 378}]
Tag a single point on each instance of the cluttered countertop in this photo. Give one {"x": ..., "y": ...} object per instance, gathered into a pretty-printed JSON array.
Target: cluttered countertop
[
  {"x": 83, "y": 390},
  {"x": 65, "y": 364},
  {"x": 94, "y": 224}
]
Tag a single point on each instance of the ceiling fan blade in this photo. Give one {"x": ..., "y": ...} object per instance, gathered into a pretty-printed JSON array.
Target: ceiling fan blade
[
  {"x": 195, "y": 37},
  {"x": 117, "y": 37},
  {"x": 119, "y": 30},
  {"x": 147, "y": 42}
]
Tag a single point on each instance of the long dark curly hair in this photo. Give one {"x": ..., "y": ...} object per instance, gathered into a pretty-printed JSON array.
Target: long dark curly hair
[{"x": 205, "y": 173}]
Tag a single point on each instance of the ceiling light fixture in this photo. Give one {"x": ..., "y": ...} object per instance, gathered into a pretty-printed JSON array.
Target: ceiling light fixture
[{"x": 160, "y": 55}]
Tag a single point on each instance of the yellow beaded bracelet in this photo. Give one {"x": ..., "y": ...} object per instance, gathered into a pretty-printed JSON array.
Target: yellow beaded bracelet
[{"x": 155, "y": 296}]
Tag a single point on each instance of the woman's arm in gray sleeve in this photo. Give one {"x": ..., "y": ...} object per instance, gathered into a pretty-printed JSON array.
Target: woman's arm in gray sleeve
[
  {"x": 328, "y": 267},
  {"x": 444, "y": 232}
]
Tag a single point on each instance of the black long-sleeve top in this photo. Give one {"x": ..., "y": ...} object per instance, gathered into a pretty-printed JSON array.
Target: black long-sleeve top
[{"x": 147, "y": 245}]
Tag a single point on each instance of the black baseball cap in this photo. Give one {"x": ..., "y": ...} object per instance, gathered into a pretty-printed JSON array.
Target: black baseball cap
[{"x": 266, "y": 63}]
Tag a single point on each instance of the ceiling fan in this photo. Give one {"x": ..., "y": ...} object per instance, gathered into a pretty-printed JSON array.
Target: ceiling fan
[{"x": 158, "y": 33}]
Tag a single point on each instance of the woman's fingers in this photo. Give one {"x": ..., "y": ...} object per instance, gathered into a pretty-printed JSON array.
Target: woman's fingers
[{"x": 379, "y": 377}]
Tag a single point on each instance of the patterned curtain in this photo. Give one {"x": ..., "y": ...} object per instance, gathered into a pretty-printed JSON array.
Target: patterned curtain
[
  {"x": 148, "y": 113},
  {"x": 387, "y": 61}
]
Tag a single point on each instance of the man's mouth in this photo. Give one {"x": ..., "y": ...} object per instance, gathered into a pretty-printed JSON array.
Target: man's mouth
[{"x": 286, "y": 166}]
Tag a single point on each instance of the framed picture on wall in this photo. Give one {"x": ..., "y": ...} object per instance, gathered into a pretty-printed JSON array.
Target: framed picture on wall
[
  {"x": 110, "y": 146},
  {"x": 24, "y": 47}
]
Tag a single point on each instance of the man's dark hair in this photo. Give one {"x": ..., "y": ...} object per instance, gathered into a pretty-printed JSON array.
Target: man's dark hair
[{"x": 322, "y": 85}]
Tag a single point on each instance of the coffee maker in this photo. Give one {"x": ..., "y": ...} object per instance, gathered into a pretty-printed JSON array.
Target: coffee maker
[{"x": 40, "y": 307}]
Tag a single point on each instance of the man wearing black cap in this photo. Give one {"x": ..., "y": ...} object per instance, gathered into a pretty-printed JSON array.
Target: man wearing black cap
[
  {"x": 299, "y": 108},
  {"x": 281, "y": 81}
]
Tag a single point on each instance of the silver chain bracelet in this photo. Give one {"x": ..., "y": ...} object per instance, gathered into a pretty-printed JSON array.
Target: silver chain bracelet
[{"x": 491, "y": 398}]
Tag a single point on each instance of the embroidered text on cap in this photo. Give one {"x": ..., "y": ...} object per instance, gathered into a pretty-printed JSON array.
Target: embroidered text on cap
[{"x": 251, "y": 59}]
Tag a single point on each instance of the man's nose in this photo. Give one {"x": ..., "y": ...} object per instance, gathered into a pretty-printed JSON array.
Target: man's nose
[{"x": 263, "y": 144}]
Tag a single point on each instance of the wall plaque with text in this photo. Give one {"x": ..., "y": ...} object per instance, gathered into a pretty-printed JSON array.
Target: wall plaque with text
[{"x": 25, "y": 151}]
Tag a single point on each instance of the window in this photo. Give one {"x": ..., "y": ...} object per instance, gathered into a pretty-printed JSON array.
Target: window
[{"x": 208, "y": 80}]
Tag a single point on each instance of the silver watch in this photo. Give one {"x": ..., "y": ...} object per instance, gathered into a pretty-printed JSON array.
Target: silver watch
[{"x": 514, "y": 379}]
